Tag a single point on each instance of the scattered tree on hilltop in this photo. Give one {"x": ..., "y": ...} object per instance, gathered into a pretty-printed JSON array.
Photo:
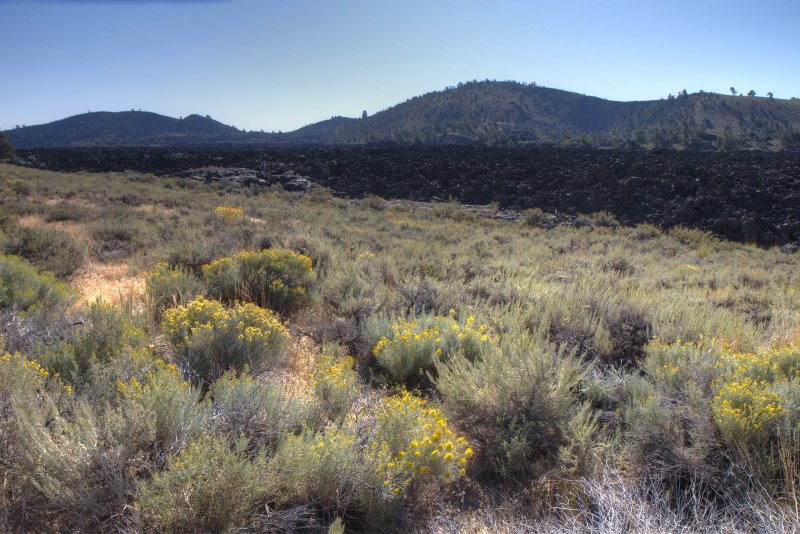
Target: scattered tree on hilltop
[
  {"x": 733, "y": 91},
  {"x": 751, "y": 93}
]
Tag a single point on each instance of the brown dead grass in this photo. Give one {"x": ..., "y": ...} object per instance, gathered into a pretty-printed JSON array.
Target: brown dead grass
[
  {"x": 297, "y": 374},
  {"x": 76, "y": 230},
  {"x": 109, "y": 282}
]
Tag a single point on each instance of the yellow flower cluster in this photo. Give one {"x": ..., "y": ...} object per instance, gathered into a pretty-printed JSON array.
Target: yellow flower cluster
[
  {"x": 163, "y": 371},
  {"x": 32, "y": 371},
  {"x": 210, "y": 339},
  {"x": 275, "y": 278},
  {"x": 415, "y": 344},
  {"x": 750, "y": 391},
  {"x": 202, "y": 316},
  {"x": 25, "y": 363},
  {"x": 337, "y": 374},
  {"x": 335, "y": 386},
  {"x": 280, "y": 260},
  {"x": 415, "y": 442},
  {"x": 228, "y": 214}
]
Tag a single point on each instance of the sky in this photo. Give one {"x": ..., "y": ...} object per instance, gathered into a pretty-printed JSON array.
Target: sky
[{"x": 278, "y": 65}]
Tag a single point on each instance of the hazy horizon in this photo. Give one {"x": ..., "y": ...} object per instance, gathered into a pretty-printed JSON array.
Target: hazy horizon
[{"x": 279, "y": 66}]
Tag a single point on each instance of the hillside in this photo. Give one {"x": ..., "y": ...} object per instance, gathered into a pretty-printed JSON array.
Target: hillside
[
  {"x": 128, "y": 128},
  {"x": 486, "y": 113},
  {"x": 509, "y": 113}
]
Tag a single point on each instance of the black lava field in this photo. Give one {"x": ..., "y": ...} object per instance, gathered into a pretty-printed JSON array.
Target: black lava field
[{"x": 744, "y": 196}]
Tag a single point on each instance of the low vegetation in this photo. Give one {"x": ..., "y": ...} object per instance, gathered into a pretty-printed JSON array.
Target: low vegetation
[{"x": 296, "y": 361}]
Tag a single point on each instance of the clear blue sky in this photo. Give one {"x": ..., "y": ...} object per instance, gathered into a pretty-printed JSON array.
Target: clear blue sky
[{"x": 280, "y": 64}]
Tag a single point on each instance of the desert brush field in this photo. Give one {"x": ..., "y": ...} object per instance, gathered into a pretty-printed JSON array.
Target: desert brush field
[{"x": 179, "y": 356}]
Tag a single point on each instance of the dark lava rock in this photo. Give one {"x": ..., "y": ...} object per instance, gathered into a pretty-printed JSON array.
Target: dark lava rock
[
  {"x": 297, "y": 184},
  {"x": 234, "y": 175},
  {"x": 746, "y": 196}
]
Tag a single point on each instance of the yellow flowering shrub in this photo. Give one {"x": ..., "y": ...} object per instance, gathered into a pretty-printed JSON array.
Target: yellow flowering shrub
[
  {"x": 278, "y": 279},
  {"x": 25, "y": 291},
  {"x": 167, "y": 286},
  {"x": 751, "y": 395},
  {"x": 335, "y": 386},
  {"x": 415, "y": 442},
  {"x": 228, "y": 214},
  {"x": 414, "y": 345},
  {"x": 19, "y": 373},
  {"x": 755, "y": 392},
  {"x": 209, "y": 339}
]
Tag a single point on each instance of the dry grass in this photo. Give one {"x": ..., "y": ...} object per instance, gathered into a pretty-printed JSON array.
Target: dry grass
[
  {"x": 297, "y": 374},
  {"x": 74, "y": 229},
  {"x": 108, "y": 282}
]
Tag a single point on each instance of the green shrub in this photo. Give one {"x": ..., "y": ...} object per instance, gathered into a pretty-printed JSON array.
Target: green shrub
[
  {"x": 193, "y": 254},
  {"x": 24, "y": 290},
  {"x": 257, "y": 409},
  {"x": 274, "y": 278},
  {"x": 538, "y": 218},
  {"x": 208, "y": 487},
  {"x": 645, "y": 232},
  {"x": 692, "y": 236},
  {"x": 118, "y": 235},
  {"x": 454, "y": 211},
  {"x": 408, "y": 349},
  {"x": 350, "y": 290},
  {"x": 80, "y": 468},
  {"x": 49, "y": 249},
  {"x": 328, "y": 468},
  {"x": 19, "y": 187},
  {"x": 517, "y": 401},
  {"x": 167, "y": 287},
  {"x": 670, "y": 437},
  {"x": 65, "y": 463},
  {"x": 592, "y": 318},
  {"x": 66, "y": 211},
  {"x": 172, "y": 404},
  {"x": 105, "y": 335},
  {"x": 210, "y": 339}
]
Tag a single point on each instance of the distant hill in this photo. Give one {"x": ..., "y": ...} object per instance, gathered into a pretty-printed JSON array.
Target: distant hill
[
  {"x": 509, "y": 113},
  {"x": 486, "y": 113},
  {"x": 128, "y": 128}
]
